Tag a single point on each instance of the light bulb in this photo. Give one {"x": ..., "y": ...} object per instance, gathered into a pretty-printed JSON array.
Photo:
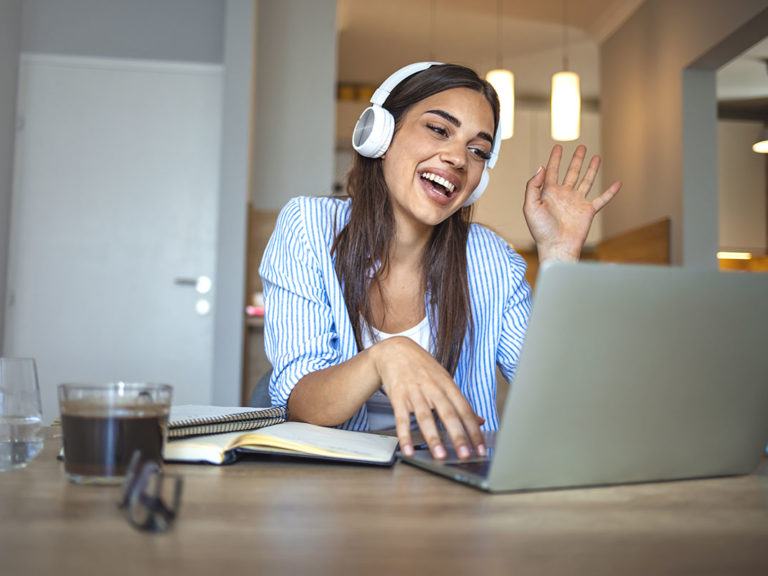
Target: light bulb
[
  {"x": 503, "y": 81},
  {"x": 566, "y": 106}
]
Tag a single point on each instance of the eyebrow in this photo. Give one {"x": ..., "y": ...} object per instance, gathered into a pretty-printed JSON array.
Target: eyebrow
[{"x": 456, "y": 122}]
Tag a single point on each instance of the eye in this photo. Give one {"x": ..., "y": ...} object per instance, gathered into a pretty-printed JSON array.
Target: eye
[
  {"x": 480, "y": 153},
  {"x": 437, "y": 129}
]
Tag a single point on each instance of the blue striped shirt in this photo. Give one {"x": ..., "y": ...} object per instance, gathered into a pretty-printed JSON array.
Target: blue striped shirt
[{"x": 307, "y": 326}]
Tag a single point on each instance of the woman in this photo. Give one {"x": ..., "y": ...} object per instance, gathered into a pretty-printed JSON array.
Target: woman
[{"x": 390, "y": 308}]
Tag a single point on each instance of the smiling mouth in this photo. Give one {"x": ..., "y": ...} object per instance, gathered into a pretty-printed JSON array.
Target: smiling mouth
[{"x": 439, "y": 183}]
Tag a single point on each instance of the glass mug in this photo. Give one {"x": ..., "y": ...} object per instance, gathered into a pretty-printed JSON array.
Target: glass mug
[
  {"x": 104, "y": 424},
  {"x": 20, "y": 414}
]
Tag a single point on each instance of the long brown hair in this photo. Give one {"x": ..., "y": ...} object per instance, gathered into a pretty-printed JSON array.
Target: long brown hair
[{"x": 363, "y": 245}]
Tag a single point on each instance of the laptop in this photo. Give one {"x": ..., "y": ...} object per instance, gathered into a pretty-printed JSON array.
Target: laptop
[{"x": 630, "y": 373}]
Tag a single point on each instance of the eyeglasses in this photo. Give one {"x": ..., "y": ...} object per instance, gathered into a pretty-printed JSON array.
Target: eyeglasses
[{"x": 151, "y": 499}]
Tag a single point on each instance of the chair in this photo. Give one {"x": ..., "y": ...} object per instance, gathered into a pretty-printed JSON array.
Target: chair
[{"x": 260, "y": 393}]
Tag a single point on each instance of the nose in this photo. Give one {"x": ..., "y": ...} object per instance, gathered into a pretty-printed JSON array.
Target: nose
[{"x": 455, "y": 154}]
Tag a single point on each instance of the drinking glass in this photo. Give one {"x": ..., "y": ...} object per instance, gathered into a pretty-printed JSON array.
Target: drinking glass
[
  {"x": 20, "y": 413},
  {"x": 104, "y": 424}
]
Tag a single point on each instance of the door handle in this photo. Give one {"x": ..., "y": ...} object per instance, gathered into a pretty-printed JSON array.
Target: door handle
[{"x": 201, "y": 284}]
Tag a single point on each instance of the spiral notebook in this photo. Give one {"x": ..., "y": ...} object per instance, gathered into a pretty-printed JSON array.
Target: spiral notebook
[{"x": 190, "y": 420}]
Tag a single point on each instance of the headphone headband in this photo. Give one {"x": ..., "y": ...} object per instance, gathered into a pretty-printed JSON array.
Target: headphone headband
[{"x": 383, "y": 91}]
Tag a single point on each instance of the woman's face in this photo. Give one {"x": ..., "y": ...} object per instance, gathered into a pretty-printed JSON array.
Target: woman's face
[{"x": 438, "y": 155}]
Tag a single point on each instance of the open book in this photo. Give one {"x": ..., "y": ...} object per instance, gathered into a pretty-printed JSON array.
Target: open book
[
  {"x": 287, "y": 439},
  {"x": 190, "y": 420}
]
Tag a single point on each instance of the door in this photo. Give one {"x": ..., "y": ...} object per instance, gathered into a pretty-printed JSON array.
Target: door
[{"x": 113, "y": 219}]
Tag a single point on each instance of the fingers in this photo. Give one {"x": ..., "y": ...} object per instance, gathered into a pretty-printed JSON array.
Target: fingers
[
  {"x": 534, "y": 186},
  {"x": 429, "y": 431},
  {"x": 589, "y": 176},
  {"x": 469, "y": 425},
  {"x": 574, "y": 168},
  {"x": 413, "y": 400},
  {"x": 403, "y": 427},
  {"x": 600, "y": 202},
  {"x": 460, "y": 422},
  {"x": 553, "y": 166}
]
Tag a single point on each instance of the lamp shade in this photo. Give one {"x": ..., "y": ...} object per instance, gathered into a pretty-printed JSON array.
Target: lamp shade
[
  {"x": 503, "y": 81},
  {"x": 566, "y": 106}
]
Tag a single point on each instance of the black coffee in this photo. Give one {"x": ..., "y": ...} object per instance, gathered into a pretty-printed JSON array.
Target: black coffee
[{"x": 103, "y": 445}]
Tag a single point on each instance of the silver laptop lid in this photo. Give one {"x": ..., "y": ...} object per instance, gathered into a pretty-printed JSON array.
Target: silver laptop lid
[{"x": 637, "y": 373}]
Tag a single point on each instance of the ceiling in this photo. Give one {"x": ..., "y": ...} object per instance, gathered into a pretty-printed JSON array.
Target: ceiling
[
  {"x": 378, "y": 37},
  {"x": 742, "y": 85}
]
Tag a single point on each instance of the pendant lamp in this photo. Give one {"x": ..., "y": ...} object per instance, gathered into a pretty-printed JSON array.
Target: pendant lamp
[
  {"x": 503, "y": 81},
  {"x": 566, "y": 97}
]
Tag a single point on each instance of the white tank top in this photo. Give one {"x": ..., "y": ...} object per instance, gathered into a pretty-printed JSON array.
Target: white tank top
[
  {"x": 419, "y": 334},
  {"x": 380, "y": 415}
]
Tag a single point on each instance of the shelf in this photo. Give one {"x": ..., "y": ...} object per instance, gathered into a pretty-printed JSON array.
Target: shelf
[{"x": 254, "y": 321}]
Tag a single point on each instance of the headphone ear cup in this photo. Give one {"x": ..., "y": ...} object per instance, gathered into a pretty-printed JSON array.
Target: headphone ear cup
[
  {"x": 373, "y": 132},
  {"x": 478, "y": 191}
]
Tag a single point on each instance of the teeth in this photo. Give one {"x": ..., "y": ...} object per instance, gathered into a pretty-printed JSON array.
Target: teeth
[{"x": 439, "y": 180}]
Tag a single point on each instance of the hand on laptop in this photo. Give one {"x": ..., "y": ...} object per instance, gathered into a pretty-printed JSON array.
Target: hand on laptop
[
  {"x": 417, "y": 384},
  {"x": 559, "y": 215}
]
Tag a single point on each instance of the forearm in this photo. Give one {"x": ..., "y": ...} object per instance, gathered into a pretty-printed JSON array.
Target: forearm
[{"x": 331, "y": 396}]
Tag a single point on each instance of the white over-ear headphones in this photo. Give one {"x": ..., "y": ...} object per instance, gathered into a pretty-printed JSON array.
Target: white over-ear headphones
[{"x": 376, "y": 126}]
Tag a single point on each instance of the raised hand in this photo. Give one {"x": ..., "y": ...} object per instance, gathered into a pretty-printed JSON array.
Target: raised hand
[{"x": 559, "y": 215}]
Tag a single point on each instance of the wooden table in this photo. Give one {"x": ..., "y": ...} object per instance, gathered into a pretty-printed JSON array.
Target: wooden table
[{"x": 278, "y": 517}]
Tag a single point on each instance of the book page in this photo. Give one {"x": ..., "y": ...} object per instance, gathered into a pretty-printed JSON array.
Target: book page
[
  {"x": 212, "y": 448},
  {"x": 322, "y": 441}
]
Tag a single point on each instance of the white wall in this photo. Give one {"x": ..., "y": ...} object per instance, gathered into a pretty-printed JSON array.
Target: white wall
[
  {"x": 181, "y": 30},
  {"x": 742, "y": 187},
  {"x": 10, "y": 40},
  {"x": 295, "y": 95},
  {"x": 642, "y": 104}
]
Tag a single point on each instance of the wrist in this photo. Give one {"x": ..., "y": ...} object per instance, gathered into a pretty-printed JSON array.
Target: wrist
[
  {"x": 373, "y": 360},
  {"x": 558, "y": 254},
  {"x": 381, "y": 358}
]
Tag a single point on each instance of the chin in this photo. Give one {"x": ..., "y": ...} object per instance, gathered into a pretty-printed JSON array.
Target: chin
[{"x": 437, "y": 215}]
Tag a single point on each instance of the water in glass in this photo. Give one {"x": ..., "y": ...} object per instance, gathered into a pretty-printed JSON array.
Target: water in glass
[{"x": 20, "y": 416}]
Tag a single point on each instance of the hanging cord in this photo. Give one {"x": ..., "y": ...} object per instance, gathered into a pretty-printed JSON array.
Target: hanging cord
[
  {"x": 432, "y": 12},
  {"x": 565, "y": 36},
  {"x": 499, "y": 16}
]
